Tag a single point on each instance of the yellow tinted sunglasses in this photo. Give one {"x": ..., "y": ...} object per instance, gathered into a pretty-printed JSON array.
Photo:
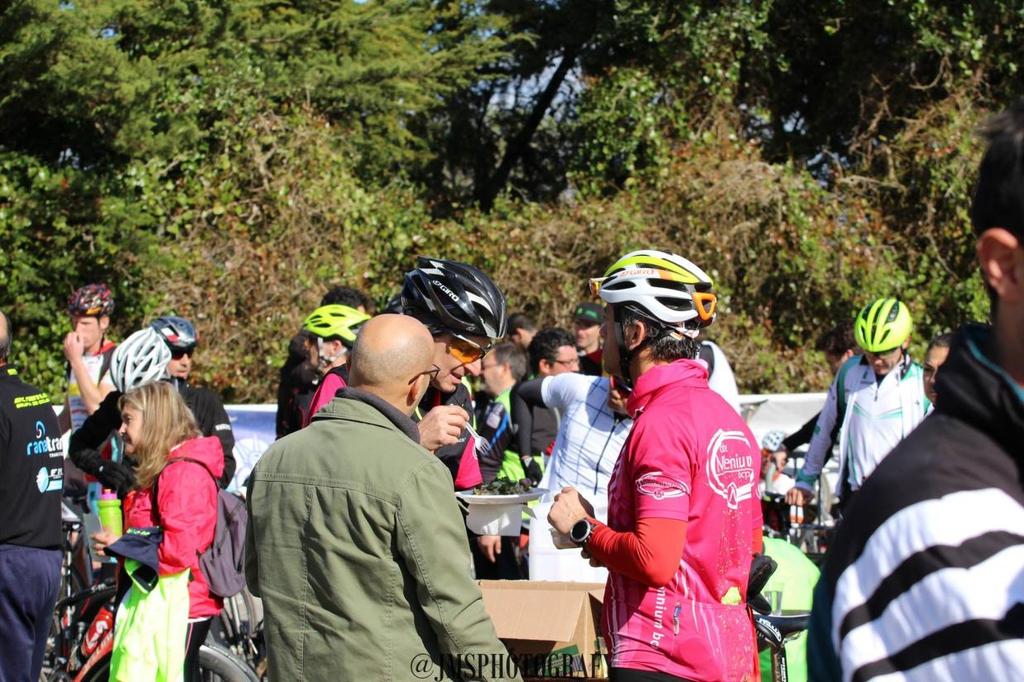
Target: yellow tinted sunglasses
[{"x": 466, "y": 351}]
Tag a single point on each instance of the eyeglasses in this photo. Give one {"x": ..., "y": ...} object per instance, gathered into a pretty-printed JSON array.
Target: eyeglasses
[
  {"x": 179, "y": 354},
  {"x": 432, "y": 372},
  {"x": 466, "y": 351},
  {"x": 574, "y": 362}
]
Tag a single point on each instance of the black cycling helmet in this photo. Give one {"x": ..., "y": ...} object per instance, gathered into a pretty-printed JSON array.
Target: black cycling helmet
[
  {"x": 454, "y": 297},
  {"x": 178, "y": 333},
  {"x": 394, "y": 304}
]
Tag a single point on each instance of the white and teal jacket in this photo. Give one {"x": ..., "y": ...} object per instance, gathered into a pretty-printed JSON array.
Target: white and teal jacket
[{"x": 873, "y": 416}]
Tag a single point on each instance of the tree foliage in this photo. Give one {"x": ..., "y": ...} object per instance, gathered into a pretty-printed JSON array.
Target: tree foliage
[{"x": 227, "y": 160}]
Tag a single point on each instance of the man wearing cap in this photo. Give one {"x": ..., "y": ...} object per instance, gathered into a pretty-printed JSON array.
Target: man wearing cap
[
  {"x": 587, "y": 325},
  {"x": 30, "y": 492},
  {"x": 88, "y": 352}
]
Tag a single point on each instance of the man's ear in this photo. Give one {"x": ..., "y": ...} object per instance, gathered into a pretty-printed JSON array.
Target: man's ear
[
  {"x": 416, "y": 390},
  {"x": 635, "y": 334},
  {"x": 1002, "y": 263},
  {"x": 104, "y": 322}
]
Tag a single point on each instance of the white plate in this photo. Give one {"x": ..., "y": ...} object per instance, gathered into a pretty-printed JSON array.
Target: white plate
[{"x": 518, "y": 498}]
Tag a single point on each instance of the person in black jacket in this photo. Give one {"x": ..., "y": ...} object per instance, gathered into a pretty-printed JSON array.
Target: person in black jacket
[
  {"x": 299, "y": 378},
  {"x": 30, "y": 535},
  {"x": 926, "y": 576},
  {"x": 142, "y": 358},
  {"x": 182, "y": 338}
]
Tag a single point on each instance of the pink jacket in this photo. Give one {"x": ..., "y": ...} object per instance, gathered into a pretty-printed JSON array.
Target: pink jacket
[
  {"x": 187, "y": 513},
  {"x": 325, "y": 392}
]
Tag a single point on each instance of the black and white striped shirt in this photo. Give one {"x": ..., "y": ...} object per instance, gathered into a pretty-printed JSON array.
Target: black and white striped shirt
[{"x": 926, "y": 578}]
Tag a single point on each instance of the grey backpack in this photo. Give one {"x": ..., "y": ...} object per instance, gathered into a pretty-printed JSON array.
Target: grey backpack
[{"x": 223, "y": 564}]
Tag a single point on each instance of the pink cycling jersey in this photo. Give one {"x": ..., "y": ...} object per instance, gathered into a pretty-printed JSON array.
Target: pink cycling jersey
[
  {"x": 689, "y": 457},
  {"x": 331, "y": 383}
]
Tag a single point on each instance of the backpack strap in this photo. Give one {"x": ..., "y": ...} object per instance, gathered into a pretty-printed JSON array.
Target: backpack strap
[
  {"x": 108, "y": 358},
  {"x": 156, "y": 481},
  {"x": 194, "y": 461}
]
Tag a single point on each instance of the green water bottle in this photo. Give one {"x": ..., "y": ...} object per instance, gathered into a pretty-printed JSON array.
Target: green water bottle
[{"x": 110, "y": 513}]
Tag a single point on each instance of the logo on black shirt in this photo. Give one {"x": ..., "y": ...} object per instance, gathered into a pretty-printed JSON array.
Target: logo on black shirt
[{"x": 43, "y": 445}]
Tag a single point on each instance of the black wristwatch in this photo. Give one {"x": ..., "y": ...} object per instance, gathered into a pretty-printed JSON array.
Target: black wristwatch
[{"x": 580, "y": 532}]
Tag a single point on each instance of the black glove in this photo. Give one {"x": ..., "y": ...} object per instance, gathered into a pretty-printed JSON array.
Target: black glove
[
  {"x": 117, "y": 476},
  {"x": 532, "y": 469}
]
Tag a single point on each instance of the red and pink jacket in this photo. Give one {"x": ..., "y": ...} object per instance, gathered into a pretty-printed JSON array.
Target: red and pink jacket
[{"x": 187, "y": 508}]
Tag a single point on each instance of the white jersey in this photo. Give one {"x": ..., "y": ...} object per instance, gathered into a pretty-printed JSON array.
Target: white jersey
[
  {"x": 590, "y": 435},
  {"x": 78, "y": 411},
  {"x": 721, "y": 379},
  {"x": 878, "y": 415}
]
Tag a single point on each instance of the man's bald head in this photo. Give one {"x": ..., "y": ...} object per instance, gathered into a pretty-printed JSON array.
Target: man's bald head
[
  {"x": 5, "y": 337},
  {"x": 388, "y": 354}
]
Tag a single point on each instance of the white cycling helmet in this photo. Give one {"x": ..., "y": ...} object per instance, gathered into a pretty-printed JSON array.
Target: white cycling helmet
[
  {"x": 772, "y": 440},
  {"x": 661, "y": 286},
  {"x": 140, "y": 359}
]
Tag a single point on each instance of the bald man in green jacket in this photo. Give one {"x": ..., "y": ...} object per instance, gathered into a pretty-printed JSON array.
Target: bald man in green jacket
[{"x": 356, "y": 543}]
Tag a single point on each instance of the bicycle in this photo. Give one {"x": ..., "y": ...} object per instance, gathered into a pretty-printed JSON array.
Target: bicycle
[
  {"x": 239, "y": 629},
  {"x": 74, "y": 595},
  {"x": 773, "y": 631},
  {"x": 81, "y": 650}
]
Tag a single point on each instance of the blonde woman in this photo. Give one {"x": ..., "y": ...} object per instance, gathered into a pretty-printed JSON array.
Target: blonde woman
[{"x": 175, "y": 471}]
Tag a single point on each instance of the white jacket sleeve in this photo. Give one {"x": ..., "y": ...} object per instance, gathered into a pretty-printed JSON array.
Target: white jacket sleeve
[{"x": 821, "y": 442}]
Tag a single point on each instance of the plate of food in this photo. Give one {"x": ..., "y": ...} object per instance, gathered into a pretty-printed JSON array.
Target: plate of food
[{"x": 501, "y": 492}]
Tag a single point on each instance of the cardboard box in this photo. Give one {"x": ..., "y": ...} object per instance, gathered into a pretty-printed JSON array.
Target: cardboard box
[{"x": 553, "y": 628}]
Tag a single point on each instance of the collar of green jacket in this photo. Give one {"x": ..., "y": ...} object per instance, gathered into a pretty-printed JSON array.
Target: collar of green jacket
[{"x": 388, "y": 413}]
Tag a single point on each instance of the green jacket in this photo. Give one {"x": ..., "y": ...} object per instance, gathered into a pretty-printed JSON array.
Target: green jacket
[{"x": 358, "y": 548}]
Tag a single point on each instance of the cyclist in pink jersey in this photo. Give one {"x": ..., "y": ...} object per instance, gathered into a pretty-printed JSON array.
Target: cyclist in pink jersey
[
  {"x": 335, "y": 327},
  {"x": 683, "y": 515}
]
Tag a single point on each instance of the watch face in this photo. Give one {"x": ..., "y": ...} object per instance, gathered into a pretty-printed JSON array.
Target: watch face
[{"x": 580, "y": 531}]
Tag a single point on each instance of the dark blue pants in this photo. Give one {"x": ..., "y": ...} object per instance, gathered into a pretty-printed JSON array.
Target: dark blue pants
[{"x": 29, "y": 582}]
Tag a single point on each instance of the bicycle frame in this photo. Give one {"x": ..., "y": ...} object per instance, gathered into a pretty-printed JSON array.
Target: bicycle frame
[
  {"x": 776, "y": 632},
  {"x": 79, "y": 646}
]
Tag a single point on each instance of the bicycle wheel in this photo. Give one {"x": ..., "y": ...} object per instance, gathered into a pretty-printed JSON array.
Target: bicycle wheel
[{"x": 218, "y": 664}]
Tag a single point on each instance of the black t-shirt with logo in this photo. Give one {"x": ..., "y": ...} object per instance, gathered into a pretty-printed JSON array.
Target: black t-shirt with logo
[{"x": 31, "y": 465}]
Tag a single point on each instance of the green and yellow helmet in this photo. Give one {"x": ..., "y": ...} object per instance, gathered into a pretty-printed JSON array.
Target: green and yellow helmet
[
  {"x": 883, "y": 325},
  {"x": 335, "y": 321}
]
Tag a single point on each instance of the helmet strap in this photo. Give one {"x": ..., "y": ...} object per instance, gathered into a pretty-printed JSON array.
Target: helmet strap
[{"x": 626, "y": 354}]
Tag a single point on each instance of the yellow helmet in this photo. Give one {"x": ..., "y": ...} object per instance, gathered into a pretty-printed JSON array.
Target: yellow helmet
[
  {"x": 335, "y": 321},
  {"x": 882, "y": 325}
]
